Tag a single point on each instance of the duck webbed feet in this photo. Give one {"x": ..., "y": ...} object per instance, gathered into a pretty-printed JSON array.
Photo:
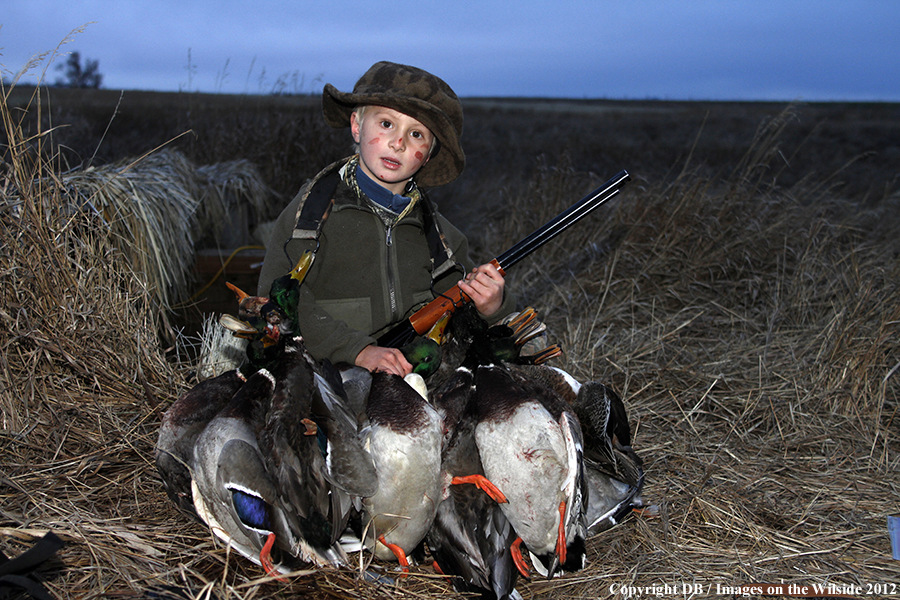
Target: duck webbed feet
[
  {"x": 515, "y": 551},
  {"x": 265, "y": 559},
  {"x": 483, "y": 484},
  {"x": 398, "y": 552},
  {"x": 561, "y": 534}
]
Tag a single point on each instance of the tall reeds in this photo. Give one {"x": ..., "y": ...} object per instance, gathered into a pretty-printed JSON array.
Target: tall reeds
[{"x": 752, "y": 326}]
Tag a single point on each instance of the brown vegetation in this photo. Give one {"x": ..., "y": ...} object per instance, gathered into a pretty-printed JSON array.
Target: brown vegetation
[{"x": 745, "y": 302}]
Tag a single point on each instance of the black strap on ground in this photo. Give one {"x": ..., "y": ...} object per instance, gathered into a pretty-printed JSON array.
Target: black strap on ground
[{"x": 15, "y": 572}]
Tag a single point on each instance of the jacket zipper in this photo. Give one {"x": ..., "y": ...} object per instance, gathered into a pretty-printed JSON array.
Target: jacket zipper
[{"x": 392, "y": 292}]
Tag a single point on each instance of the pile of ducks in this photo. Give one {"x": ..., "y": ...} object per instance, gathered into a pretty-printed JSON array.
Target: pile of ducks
[{"x": 500, "y": 465}]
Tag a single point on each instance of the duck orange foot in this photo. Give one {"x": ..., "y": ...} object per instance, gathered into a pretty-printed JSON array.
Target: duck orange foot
[
  {"x": 515, "y": 550},
  {"x": 398, "y": 552},
  {"x": 265, "y": 559},
  {"x": 561, "y": 534},
  {"x": 311, "y": 427},
  {"x": 546, "y": 354},
  {"x": 647, "y": 512},
  {"x": 481, "y": 482}
]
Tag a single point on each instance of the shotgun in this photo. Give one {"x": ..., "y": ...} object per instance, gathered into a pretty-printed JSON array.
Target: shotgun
[{"x": 423, "y": 319}]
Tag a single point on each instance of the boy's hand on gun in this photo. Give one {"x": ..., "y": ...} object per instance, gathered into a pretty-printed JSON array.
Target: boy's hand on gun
[{"x": 484, "y": 285}]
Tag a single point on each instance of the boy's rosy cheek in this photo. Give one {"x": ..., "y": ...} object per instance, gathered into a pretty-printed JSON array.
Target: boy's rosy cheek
[
  {"x": 419, "y": 155},
  {"x": 373, "y": 141}
]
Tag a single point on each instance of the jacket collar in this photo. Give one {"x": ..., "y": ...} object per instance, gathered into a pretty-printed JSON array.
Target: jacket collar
[
  {"x": 420, "y": 209},
  {"x": 349, "y": 174}
]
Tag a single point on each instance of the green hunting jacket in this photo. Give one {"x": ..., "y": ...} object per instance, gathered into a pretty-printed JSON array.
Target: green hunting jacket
[{"x": 366, "y": 276}]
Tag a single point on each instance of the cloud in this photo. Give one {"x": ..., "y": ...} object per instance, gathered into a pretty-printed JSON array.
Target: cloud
[{"x": 742, "y": 49}]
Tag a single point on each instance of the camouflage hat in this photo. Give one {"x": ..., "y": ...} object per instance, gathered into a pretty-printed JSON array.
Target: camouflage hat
[{"x": 413, "y": 92}]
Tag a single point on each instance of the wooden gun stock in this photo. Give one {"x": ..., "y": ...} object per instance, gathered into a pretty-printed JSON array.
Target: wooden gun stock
[{"x": 424, "y": 318}]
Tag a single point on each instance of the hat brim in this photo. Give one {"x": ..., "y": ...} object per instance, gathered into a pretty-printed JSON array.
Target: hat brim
[{"x": 448, "y": 159}]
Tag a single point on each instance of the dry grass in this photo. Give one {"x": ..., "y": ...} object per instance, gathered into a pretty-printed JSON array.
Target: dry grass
[
  {"x": 756, "y": 339},
  {"x": 752, "y": 329},
  {"x": 152, "y": 206}
]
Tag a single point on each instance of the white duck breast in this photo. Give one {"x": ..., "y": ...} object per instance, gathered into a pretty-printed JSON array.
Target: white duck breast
[
  {"x": 404, "y": 438},
  {"x": 520, "y": 454},
  {"x": 534, "y": 457}
]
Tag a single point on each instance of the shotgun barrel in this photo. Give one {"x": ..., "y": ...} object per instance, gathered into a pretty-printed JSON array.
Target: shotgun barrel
[{"x": 423, "y": 319}]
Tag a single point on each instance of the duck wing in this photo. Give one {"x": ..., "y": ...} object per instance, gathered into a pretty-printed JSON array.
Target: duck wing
[
  {"x": 349, "y": 466},
  {"x": 356, "y": 382},
  {"x": 615, "y": 471},
  {"x": 470, "y": 540},
  {"x": 293, "y": 449},
  {"x": 181, "y": 425},
  {"x": 607, "y": 433}
]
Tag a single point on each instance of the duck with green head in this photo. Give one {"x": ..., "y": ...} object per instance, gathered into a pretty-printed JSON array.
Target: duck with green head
[
  {"x": 231, "y": 490},
  {"x": 425, "y": 352},
  {"x": 264, "y": 321}
]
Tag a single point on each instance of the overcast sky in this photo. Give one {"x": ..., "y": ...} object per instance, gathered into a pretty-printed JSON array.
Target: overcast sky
[{"x": 626, "y": 49}]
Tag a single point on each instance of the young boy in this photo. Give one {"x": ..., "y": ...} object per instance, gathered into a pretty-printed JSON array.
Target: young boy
[{"x": 383, "y": 250}]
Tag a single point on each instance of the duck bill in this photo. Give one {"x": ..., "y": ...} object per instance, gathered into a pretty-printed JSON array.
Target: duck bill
[
  {"x": 241, "y": 294},
  {"x": 303, "y": 265},
  {"x": 438, "y": 331},
  {"x": 238, "y": 328}
]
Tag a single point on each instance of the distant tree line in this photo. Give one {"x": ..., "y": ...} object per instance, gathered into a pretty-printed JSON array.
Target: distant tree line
[{"x": 78, "y": 76}]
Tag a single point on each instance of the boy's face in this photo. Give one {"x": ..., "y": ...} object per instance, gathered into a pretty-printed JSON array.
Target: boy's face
[{"x": 392, "y": 146}]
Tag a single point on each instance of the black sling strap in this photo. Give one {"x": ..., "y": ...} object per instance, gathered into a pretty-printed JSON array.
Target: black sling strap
[
  {"x": 442, "y": 259},
  {"x": 317, "y": 205}
]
